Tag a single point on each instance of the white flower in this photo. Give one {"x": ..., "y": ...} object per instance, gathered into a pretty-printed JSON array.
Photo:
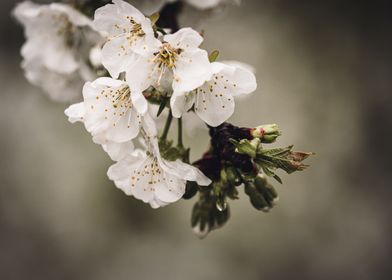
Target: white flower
[
  {"x": 56, "y": 37},
  {"x": 178, "y": 63},
  {"x": 111, "y": 111},
  {"x": 213, "y": 101},
  {"x": 129, "y": 33},
  {"x": 116, "y": 151},
  {"x": 150, "y": 178},
  {"x": 58, "y": 86},
  {"x": 53, "y": 32}
]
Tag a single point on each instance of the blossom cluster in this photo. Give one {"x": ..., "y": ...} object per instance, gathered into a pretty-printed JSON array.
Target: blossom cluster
[{"x": 120, "y": 64}]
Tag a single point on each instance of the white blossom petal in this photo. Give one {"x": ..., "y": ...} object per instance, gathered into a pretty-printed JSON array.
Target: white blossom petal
[
  {"x": 184, "y": 38},
  {"x": 238, "y": 79},
  {"x": 118, "y": 151},
  {"x": 75, "y": 112},
  {"x": 192, "y": 70},
  {"x": 59, "y": 87},
  {"x": 212, "y": 105}
]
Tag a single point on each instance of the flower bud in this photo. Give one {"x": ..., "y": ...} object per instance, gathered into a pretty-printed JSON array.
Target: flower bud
[
  {"x": 206, "y": 217},
  {"x": 233, "y": 177},
  {"x": 268, "y": 191},
  {"x": 221, "y": 203},
  {"x": 256, "y": 198},
  {"x": 266, "y": 133}
]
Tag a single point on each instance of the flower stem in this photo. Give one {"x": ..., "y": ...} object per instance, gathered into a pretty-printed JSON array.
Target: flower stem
[
  {"x": 167, "y": 126},
  {"x": 179, "y": 142}
]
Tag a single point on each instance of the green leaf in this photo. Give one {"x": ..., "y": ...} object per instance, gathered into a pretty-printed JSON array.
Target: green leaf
[
  {"x": 213, "y": 55},
  {"x": 277, "y": 178}
]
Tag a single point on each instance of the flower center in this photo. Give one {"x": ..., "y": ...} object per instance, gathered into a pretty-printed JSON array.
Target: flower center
[
  {"x": 134, "y": 32},
  {"x": 121, "y": 97},
  {"x": 167, "y": 56}
]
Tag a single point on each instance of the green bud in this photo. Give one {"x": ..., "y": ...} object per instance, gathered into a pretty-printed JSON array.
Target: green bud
[
  {"x": 233, "y": 177},
  {"x": 206, "y": 217},
  {"x": 267, "y": 190},
  {"x": 248, "y": 147},
  {"x": 256, "y": 198},
  {"x": 221, "y": 203},
  {"x": 223, "y": 175},
  {"x": 266, "y": 133},
  {"x": 260, "y": 181}
]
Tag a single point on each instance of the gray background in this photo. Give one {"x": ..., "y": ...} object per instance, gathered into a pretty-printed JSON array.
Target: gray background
[{"x": 323, "y": 69}]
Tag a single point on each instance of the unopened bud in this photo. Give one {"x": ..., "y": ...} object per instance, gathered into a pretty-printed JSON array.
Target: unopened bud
[
  {"x": 233, "y": 177},
  {"x": 256, "y": 198},
  {"x": 268, "y": 191},
  {"x": 266, "y": 133},
  {"x": 221, "y": 203}
]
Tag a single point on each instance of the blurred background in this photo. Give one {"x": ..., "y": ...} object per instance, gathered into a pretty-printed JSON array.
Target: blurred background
[{"x": 324, "y": 72}]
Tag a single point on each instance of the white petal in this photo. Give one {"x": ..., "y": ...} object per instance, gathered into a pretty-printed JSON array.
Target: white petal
[
  {"x": 192, "y": 70},
  {"x": 184, "y": 38},
  {"x": 124, "y": 128},
  {"x": 75, "y": 112},
  {"x": 118, "y": 151},
  {"x": 120, "y": 171},
  {"x": 112, "y": 16},
  {"x": 59, "y": 87},
  {"x": 140, "y": 102},
  {"x": 116, "y": 55},
  {"x": 172, "y": 190},
  {"x": 74, "y": 16},
  {"x": 237, "y": 79},
  {"x": 139, "y": 72},
  {"x": 181, "y": 103},
  {"x": 185, "y": 171},
  {"x": 213, "y": 105},
  {"x": 177, "y": 104},
  {"x": 149, "y": 126}
]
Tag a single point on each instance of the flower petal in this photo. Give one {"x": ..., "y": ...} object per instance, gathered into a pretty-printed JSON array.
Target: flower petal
[
  {"x": 75, "y": 112},
  {"x": 212, "y": 105},
  {"x": 184, "y": 38},
  {"x": 235, "y": 79},
  {"x": 118, "y": 151},
  {"x": 192, "y": 70},
  {"x": 185, "y": 171}
]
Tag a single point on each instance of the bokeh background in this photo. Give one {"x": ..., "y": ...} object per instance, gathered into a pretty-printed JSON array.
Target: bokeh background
[{"x": 324, "y": 72}]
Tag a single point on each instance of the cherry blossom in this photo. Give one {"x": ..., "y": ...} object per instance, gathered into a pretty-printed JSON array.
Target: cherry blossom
[
  {"x": 150, "y": 178},
  {"x": 129, "y": 33},
  {"x": 214, "y": 101},
  {"x": 111, "y": 111},
  {"x": 57, "y": 37}
]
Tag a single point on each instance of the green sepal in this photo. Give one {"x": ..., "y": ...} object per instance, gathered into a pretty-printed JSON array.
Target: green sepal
[
  {"x": 213, "y": 56},
  {"x": 162, "y": 106},
  {"x": 154, "y": 18},
  {"x": 190, "y": 190}
]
